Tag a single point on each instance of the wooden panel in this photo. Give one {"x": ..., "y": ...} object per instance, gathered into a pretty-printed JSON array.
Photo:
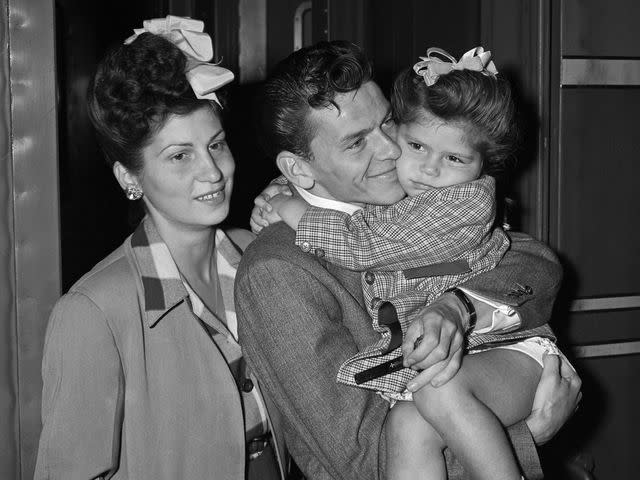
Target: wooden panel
[
  {"x": 629, "y": 347},
  {"x": 348, "y": 20},
  {"x": 279, "y": 30},
  {"x": 606, "y": 424},
  {"x": 517, "y": 33},
  {"x": 592, "y": 327},
  {"x": 221, "y": 21},
  {"x": 584, "y": 71},
  {"x": 597, "y": 227},
  {"x": 252, "y": 39},
  {"x": 393, "y": 50},
  {"x": 401, "y": 34},
  {"x": 606, "y": 303},
  {"x": 601, "y": 28},
  {"x": 453, "y": 25}
]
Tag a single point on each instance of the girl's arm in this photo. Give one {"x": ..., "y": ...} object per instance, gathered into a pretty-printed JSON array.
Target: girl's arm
[
  {"x": 289, "y": 209},
  {"x": 261, "y": 206},
  {"x": 438, "y": 226}
]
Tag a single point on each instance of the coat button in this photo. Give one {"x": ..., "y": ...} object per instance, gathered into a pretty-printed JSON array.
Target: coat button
[
  {"x": 247, "y": 385},
  {"x": 319, "y": 252},
  {"x": 375, "y": 301},
  {"x": 305, "y": 247},
  {"x": 369, "y": 277}
]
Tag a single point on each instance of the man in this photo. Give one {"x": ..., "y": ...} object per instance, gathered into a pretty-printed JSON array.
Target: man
[{"x": 329, "y": 127}]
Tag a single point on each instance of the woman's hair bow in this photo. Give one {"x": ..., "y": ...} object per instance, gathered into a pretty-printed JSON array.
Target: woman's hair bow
[
  {"x": 187, "y": 34},
  {"x": 439, "y": 62}
]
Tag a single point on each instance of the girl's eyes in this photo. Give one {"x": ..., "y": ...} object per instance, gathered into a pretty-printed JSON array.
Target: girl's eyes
[
  {"x": 454, "y": 159},
  {"x": 416, "y": 146}
]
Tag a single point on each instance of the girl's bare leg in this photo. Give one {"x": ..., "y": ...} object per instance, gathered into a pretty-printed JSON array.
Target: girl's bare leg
[
  {"x": 414, "y": 448},
  {"x": 491, "y": 389}
]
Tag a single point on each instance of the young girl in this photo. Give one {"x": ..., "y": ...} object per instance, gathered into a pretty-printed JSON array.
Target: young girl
[{"x": 456, "y": 129}]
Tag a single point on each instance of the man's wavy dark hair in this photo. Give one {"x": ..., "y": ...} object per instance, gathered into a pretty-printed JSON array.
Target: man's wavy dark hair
[
  {"x": 135, "y": 88},
  {"x": 309, "y": 78}
]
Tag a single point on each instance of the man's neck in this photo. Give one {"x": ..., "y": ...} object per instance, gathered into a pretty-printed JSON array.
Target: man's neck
[{"x": 322, "y": 202}]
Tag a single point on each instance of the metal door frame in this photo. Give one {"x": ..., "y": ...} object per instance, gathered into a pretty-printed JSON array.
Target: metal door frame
[{"x": 29, "y": 224}]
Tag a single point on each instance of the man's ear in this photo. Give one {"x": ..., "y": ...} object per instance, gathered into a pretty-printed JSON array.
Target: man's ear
[
  {"x": 296, "y": 169},
  {"x": 124, "y": 177}
]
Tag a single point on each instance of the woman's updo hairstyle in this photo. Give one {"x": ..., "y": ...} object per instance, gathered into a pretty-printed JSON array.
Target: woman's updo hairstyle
[
  {"x": 481, "y": 104},
  {"x": 135, "y": 88}
]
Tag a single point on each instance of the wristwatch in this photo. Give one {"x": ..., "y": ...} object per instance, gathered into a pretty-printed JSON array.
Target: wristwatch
[{"x": 468, "y": 306}]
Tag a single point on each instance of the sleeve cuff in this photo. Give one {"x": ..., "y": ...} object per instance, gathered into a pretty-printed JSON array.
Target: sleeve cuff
[{"x": 504, "y": 318}]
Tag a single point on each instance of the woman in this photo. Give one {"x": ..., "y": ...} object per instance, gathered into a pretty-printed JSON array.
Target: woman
[{"x": 143, "y": 376}]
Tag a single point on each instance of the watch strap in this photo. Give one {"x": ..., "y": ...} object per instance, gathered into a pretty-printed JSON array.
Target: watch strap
[{"x": 468, "y": 306}]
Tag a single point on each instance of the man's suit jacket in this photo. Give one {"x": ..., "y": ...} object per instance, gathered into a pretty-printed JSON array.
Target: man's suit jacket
[{"x": 300, "y": 318}]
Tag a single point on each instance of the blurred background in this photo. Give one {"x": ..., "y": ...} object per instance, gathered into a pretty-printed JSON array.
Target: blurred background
[{"x": 575, "y": 65}]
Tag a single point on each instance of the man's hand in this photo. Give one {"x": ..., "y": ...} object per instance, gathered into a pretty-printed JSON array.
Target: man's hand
[
  {"x": 439, "y": 351},
  {"x": 557, "y": 398},
  {"x": 262, "y": 206}
]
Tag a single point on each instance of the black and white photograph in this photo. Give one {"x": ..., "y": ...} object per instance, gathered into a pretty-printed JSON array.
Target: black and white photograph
[{"x": 319, "y": 240}]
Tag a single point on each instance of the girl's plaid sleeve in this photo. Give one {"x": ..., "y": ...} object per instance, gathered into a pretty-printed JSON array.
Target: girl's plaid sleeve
[{"x": 436, "y": 226}]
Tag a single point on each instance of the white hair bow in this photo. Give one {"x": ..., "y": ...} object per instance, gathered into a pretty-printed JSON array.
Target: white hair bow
[
  {"x": 187, "y": 34},
  {"x": 439, "y": 62}
]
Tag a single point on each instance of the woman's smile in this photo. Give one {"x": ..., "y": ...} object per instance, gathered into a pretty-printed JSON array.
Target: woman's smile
[{"x": 213, "y": 197}]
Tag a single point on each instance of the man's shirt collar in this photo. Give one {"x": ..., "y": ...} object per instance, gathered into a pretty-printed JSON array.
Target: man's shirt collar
[{"x": 321, "y": 202}]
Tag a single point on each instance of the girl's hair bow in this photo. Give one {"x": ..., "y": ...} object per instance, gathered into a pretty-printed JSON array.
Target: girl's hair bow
[
  {"x": 439, "y": 62},
  {"x": 187, "y": 34}
]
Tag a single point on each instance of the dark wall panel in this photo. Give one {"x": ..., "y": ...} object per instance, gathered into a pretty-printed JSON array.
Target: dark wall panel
[
  {"x": 599, "y": 206},
  {"x": 93, "y": 208},
  {"x": 600, "y": 28},
  {"x": 403, "y": 31},
  {"x": 601, "y": 326},
  {"x": 279, "y": 30},
  {"x": 607, "y": 422}
]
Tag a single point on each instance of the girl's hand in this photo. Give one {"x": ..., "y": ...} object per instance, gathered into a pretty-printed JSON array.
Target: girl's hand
[
  {"x": 262, "y": 206},
  {"x": 271, "y": 208},
  {"x": 287, "y": 208}
]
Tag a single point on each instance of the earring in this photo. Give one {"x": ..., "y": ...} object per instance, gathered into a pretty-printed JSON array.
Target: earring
[{"x": 133, "y": 192}]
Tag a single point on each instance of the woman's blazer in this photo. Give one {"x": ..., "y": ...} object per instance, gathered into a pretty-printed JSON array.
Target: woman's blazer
[{"x": 134, "y": 390}]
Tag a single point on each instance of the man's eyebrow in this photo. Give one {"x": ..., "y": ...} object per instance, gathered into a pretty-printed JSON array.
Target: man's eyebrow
[{"x": 353, "y": 136}]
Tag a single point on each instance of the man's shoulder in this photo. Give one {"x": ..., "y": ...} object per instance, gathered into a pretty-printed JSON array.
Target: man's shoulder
[
  {"x": 274, "y": 242},
  {"x": 273, "y": 254}
]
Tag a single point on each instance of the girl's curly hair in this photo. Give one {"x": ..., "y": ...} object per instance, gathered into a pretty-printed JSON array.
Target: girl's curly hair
[
  {"x": 135, "y": 88},
  {"x": 481, "y": 103}
]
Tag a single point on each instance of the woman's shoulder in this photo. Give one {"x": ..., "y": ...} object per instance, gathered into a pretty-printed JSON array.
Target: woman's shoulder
[
  {"x": 97, "y": 299},
  {"x": 110, "y": 278}
]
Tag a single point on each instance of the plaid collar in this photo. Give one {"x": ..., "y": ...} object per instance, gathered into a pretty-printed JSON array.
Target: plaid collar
[{"x": 162, "y": 285}]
